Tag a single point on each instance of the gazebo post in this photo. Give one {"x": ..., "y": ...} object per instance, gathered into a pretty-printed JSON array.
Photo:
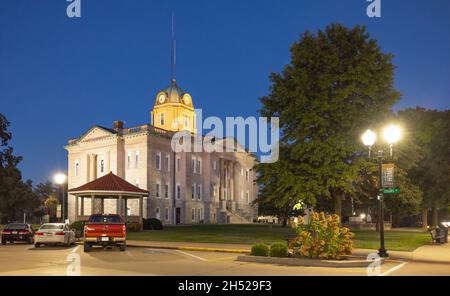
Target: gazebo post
[
  {"x": 141, "y": 210},
  {"x": 76, "y": 208},
  {"x": 126, "y": 209},
  {"x": 119, "y": 206},
  {"x": 92, "y": 204},
  {"x": 82, "y": 206}
]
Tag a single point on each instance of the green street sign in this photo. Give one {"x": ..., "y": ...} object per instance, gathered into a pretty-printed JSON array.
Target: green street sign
[{"x": 391, "y": 191}]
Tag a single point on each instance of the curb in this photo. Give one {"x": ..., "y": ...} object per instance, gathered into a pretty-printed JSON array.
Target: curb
[
  {"x": 201, "y": 249},
  {"x": 307, "y": 262}
]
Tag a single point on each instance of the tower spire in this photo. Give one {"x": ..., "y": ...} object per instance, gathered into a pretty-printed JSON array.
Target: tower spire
[{"x": 174, "y": 49}]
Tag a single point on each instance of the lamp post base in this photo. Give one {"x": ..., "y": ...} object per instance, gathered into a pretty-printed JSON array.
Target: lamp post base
[{"x": 383, "y": 253}]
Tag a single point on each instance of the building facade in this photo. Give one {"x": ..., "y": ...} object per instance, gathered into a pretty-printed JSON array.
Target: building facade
[{"x": 184, "y": 187}]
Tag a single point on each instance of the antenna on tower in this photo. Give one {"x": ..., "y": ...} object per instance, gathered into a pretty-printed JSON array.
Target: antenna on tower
[{"x": 174, "y": 49}]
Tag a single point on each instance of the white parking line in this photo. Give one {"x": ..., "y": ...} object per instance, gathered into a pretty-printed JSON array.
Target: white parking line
[
  {"x": 395, "y": 268},
  {"x": 193, "y": 256},
  {"x": 75, "y": 249}
]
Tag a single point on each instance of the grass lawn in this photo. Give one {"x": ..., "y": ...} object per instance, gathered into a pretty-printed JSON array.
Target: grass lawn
[{"x": 263, "y": 233}]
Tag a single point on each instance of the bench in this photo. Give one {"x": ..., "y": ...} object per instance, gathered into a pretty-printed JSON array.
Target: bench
[
  {"x": 290, "y": 237},
  {"x": 437, "y": 237}
]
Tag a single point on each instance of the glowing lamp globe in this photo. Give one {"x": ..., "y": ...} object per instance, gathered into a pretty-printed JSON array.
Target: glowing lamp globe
[
  {"x": 369, "y": 138},
  {"x": 60, "y": 178},
  {"x": 392, "y": 134}
]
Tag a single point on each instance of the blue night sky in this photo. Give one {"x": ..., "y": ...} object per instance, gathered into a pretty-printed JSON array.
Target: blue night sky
[{"x": 59, "y": 76}]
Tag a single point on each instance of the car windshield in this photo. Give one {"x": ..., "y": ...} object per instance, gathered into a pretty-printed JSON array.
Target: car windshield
[
  {"x": 52, "y": 226},
  {"x": 16, "y": 226},
  {"x": 105, "y": 219}
]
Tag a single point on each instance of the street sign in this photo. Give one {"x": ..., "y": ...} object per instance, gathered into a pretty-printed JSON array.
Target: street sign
[
  {"x": 387, "y": 173},
  {"x": 391, "y": 191}
]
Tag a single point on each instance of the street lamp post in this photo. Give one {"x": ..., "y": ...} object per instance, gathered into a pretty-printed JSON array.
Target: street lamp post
[
  {"x": 391, "y": 135},
  {"x": 60, "y": 179}
]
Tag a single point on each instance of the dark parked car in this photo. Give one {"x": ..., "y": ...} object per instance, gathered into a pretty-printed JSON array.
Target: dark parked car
[{"x": 18, "y": 232}]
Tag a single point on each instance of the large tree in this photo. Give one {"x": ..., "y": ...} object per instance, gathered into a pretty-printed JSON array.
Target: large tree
[
  {"x": 430, "y": 131},
  {"x": 16, "y": 196},
  {"x": 338, "y": 84}
]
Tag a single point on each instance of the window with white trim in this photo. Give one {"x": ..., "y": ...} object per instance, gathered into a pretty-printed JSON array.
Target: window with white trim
[
  {"x": 166, "y": 214},
  {"x": 158, "y": 160},
  {"x": 162, "y": 117},
  {"x": 247, "y": 175},
  {"x": 194, "y": 169},
  {"x": 168, "y": 162},
  {"x": 102, "y": 166},
  {"x": 247, "y": 195},
  {"x": 199, "y": 192},
  {"x": 193, "y": 191},
  {"x": 77, "y": 168},
  {"x": 136, "y": 160},
  {"x": 193, "y": 215},
  {"x": 158, "y": 189},
  {"x": 166, "y": 190},
  {"x": 199, "y": 166},
  {"x": 178, "y": 191}
]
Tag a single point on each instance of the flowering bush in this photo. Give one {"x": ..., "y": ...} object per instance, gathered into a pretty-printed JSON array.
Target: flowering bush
[{"x": 322, "y": 238}]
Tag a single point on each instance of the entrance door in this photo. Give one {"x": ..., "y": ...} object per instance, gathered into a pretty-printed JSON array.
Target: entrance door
[{"x": 178, "y": 216}]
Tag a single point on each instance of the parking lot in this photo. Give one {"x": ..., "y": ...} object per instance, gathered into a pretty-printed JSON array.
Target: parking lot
[{"x": 23, "y": 259}]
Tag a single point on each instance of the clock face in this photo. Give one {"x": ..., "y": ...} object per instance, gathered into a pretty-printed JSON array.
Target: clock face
[
  {"x": 187, "y": 99},
  {"x": 162, "y": 98}
]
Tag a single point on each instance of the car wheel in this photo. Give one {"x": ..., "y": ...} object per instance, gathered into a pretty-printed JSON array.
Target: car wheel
[
  {"x": 37, "y": 245},
  {"x": 87, "y": 247},
  {"x": 123, "y": 247}
]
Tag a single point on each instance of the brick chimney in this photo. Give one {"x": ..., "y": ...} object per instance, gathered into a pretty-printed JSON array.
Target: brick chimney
[{"x": 118, "y": 125}]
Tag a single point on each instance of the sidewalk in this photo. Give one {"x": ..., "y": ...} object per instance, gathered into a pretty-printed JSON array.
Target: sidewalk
[{"x": 427, "y": 253}]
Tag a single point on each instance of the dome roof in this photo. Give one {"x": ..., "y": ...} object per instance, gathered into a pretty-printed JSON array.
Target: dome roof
[{"x": 174, "y": 92}]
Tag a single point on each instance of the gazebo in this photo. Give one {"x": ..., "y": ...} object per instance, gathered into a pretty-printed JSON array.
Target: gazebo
[{"x": 108, "y": 187}]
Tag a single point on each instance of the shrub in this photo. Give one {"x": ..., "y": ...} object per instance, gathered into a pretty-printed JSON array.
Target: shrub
[
  {"x": 260, "y": 250},
  {"x": 133, "y": 227},
  {"x": 322, "y": 238},
  {"x": 278, "y": 250},
  {"x": 152, "y": 224},
  {"x": 77, "y": 227}
]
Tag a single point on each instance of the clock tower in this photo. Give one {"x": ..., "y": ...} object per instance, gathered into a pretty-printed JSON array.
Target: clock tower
[{"x": 174, "y": 110}]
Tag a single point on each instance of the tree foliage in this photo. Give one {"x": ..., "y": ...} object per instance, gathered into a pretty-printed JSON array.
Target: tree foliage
[
  {"x": 338, "y": 84},
  {"x": 16, "y": 196}
]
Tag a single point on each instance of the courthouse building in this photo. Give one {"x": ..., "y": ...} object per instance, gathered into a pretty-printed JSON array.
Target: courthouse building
[{"x": 183, "y": 187}]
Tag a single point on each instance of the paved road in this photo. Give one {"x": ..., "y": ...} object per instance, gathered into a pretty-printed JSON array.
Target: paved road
[{"x": 21, "y": 259}]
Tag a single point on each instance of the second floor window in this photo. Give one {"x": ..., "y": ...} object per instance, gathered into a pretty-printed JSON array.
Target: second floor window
[
  {"x": 193, "y": 192},
  {"x": 178, "y": 192},
  {"x": 166, "y": 191},
  {"x": 178, "y": 164},
  {"x": 136, "y": 160},
  {"x": 162, "y": 119},
  {"x": 77, "y": 167},
  {"x": 168, "y": 162},
  {"x": 199, "y": 192},
  {"x": 158, "y": 190},
  {"x": 102, "y": 166},
  {"x": 158, "y": 160}
]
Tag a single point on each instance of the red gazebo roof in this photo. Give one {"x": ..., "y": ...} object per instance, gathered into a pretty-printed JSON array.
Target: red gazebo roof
[{"x": 109, "y": 183}]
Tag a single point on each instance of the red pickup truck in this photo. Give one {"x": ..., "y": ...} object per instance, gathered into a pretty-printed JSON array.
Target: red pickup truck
[{"x": 105, "y": 230}]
